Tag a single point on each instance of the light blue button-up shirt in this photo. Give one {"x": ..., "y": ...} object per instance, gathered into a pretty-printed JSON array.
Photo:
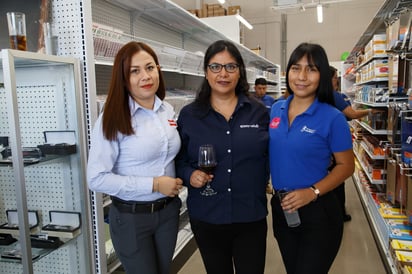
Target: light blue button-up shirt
[{"x": 125, "y": 167}]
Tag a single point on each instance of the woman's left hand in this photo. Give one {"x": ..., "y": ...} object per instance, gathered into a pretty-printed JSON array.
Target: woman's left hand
[{"x": 297, "y": 199}]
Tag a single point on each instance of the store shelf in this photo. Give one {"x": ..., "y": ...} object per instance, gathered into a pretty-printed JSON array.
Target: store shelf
[
  {"x": 371, "y": 155},
  {"x": 377, "y": 224},
  {"x": 364, "y": 168},
  {"x": 371, "y": 130},
  {"x": 171, "y": 16},
  {"x": 388, "y": 11}
]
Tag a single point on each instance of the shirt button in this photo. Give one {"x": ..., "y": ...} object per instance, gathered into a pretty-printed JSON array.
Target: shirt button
[
  {"x": 227, "y": 132},
  {"x": 229, "y": 170},
  {"x": 229, "y": 150},
  {"x": 229, "y": 189}
]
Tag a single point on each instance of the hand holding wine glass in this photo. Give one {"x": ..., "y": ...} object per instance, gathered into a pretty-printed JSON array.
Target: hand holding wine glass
[{"x": 207, "y": 163}]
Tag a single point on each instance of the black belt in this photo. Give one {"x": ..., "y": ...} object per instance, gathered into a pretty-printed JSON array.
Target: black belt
[{"x": 140, "y": 207}]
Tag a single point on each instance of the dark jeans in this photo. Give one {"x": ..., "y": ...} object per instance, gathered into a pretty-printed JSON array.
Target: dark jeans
[
  {"x": 145, "y": 242},
  {"x": 311, "y": 247},
  {"x": 223, "y": 247}
]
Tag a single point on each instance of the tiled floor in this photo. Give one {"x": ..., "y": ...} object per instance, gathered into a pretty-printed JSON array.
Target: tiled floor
[{"x": 358, "y": 252}]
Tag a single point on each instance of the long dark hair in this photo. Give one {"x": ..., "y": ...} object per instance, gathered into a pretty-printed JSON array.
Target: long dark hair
[
  {"x": 316, "y": 56},
  {"x": 116, "y": 115},
  {"x": 203, "y": 96}
]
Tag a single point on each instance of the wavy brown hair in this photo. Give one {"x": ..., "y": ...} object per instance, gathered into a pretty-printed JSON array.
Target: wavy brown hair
[{"x": 116, "y": 115}]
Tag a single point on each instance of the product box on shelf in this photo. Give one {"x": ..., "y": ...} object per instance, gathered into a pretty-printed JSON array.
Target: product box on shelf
[
  {"x": 400, "y": 245},
  {"x": 6, "y": 239},
  {"x": 392, "y": 213},
  {"x": 402, "y": 259},
  {"x": 409, "y": 199},
  {"x": 12, "y": 225},
  {"x": 61, "y": 142},
  {"x": 407, "y": 269},
  {"x": 63, "y": 224},
  {"x": 401, "y": 232}
]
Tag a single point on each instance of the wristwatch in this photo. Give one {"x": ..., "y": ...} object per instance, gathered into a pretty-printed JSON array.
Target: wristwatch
[{"x": 317, "y": 192}]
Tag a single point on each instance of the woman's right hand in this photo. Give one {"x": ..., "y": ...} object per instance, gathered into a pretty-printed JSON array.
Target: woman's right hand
[
  {"x": 199, "y": 178},
  {"x": 168, "y": 186}
]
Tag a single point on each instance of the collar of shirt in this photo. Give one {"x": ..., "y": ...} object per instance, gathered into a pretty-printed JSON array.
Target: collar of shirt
[
  {"x": 134, "y": 106},
  {"x": 242, "y": 99},
  {"x": 285, "y": 105}
]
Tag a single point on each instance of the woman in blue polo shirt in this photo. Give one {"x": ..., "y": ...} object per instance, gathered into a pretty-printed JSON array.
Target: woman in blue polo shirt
[
  {"x": 229, "y": 223},
  {"x": 305, "y": 131}
]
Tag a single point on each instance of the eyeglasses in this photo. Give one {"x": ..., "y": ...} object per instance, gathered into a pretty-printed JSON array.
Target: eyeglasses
[{"x": 215, "y": 67}]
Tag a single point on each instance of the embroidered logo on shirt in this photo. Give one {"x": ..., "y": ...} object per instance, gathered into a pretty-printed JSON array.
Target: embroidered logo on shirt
[
  {"x": 172, "y": 122},
  {"x": 249, "y": 126},
  {"x": 275, "y": 122},
  {"x": 308, "y": 130}
]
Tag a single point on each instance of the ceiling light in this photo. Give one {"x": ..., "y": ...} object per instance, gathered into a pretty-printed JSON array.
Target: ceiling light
[
  {"x": 319, "y": 10},
  {"x": 243, "y": 21},
  {"x": 221, "y": 1}
]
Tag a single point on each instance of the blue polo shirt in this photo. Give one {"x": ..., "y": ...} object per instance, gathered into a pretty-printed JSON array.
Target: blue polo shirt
[
  {"x": 341, "y": 102},
  {"x": 268, "y": 101},
  {"x": 300, "y": 154},
  {"x": 242, "y": 172}
]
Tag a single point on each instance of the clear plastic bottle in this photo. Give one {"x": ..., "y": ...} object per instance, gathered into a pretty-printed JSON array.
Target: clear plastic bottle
[{"x": 292, "y": 218}]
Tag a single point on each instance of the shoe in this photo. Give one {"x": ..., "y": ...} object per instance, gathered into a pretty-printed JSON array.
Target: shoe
[{"x": 347, "y": 218}]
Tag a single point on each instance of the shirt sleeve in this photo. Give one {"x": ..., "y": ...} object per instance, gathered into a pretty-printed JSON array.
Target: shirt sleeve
[
  {"x": 102, "y": 158},
  {"x": 341, "y": 138}
]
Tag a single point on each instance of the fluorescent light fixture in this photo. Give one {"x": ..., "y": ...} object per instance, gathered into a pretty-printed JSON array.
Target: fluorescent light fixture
[
  {"x": 319, "y": 10},
  {"x": 221, "y": 1},
  {"x": 243, "y": 21}
]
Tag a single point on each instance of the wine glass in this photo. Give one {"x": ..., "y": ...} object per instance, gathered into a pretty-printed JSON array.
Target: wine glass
[{"x": 207, "y": 163}]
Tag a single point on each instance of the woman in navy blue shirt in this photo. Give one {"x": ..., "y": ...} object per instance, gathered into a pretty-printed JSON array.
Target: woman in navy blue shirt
[
  {"x": 305, "y": 131},
  {"x": 230, "y": 225}
]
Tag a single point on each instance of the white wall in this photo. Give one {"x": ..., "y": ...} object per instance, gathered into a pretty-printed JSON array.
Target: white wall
[{"x": 343, "y": 24}]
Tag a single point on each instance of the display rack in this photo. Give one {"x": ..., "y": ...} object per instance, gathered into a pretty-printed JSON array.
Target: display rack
[
  {"x": 372, "y": 191},
  {"x": 42, "y": 93}
]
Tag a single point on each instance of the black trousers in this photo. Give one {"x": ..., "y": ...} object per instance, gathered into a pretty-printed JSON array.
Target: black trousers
[
  {"x": 340, "y": 195},
  {"x": 311, "y": 247},
  {"x": 241, "y": 246}
]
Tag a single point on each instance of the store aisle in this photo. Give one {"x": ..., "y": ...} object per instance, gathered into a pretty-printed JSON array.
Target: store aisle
[{"x": 358, "y": 253}]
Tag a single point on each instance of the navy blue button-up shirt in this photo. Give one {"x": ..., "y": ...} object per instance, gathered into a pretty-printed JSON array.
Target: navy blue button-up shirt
[{"x": 242, "y": 173}]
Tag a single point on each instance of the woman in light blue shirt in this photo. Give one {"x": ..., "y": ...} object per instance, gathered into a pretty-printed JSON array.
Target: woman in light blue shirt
[{"x": 133, "y": 146}]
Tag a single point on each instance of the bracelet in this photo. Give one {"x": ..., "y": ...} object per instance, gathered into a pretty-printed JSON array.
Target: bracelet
[{"x": 155, "y": 184}]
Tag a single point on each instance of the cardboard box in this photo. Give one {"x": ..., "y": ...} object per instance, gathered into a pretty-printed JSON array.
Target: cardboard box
[
  {"x": 12, "y": 225},
  {"x": 232, "y": 10},
  {"x": 63, "y": 224},
  {"x": 219, "y": 12}
]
